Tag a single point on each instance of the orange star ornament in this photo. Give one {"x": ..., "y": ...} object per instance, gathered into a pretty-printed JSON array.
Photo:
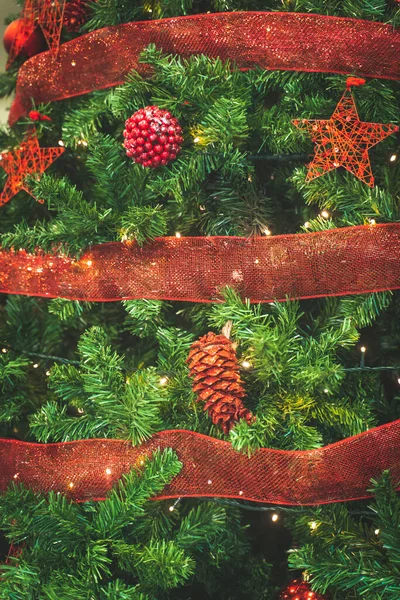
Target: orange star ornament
[
  {"x": 48, "y": 14},
  {"x": 344, "y": 140},
  {"x": 28, "y": 159}
]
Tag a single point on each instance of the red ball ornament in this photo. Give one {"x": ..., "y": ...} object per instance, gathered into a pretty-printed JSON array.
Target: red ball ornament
[
  {"x": 145, "y": 139},
  {"x": 299, "y": 590},
  {"x": 28, "y": 39}
]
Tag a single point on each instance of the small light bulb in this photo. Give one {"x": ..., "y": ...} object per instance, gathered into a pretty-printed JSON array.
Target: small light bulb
[
  {"x": 325, "y": 214},
  {"x": 35, "y": 366},
  {"x": 108, "y": 471},
  {"x": 178, "y": 235},
  {"x": 246, "y": 364},
  {"x": 171, "y": 508},
  {"x": 70, "y": 485},
  {"x": 16, "y": 475},
  {"x": 398, "y": 381},
  {"x": 61, "y": 143},
  {"x": 307, "y": 224},
  {"x": 326, "y": 391},
  {"x": 393, "y": 158},
  {"x": 240, "y": 493},
  {"x": 163, "y": 380},
  {"x": 363, "y": 349},
  {"x": 256, "y": 262},
  {"x": 81, "y": 411},
  {"x": 274, "y": 517},
  {"x": 377, "y": 531},
  {"x": 267, "y": 231},
  {"x": 48, "y": 373},
  {"x": 209, "y": 482},
  {"x": 73, "y": 63},
  {"x": 372, "y": 221},
  {"x": 4, "y": 350},
  {"x": 313, "y": 525},
  {"x": 89, "y": 263},
  {"x": 196, "y": 140}
]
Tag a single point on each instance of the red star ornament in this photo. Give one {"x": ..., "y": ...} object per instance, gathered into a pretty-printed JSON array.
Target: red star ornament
[
  {"x": 28, "y": 159},
  {"x": 344, "y": 140},
  {"x": 48, "y": 14}
]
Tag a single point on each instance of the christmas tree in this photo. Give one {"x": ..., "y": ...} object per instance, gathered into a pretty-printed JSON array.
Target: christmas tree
[{"x": 200, "y": 365}]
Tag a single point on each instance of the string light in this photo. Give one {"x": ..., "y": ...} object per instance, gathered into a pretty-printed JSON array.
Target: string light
[
  {"x": 372, "y": 221},
  {"x": 80, "y": 411},
  {"x": 267, "y": 231},
  {"x": 326, "y": 391},
  {"x": 61, "y": 143},
  {"x": 108, "y": 471},
  {"x": 363, "y": 349},
  {"x": 274, "y": 517},
  {"x": 73, "y": 63},
  {"x": 307, "y": 224},
  {"x": 377, "y": 531},
  {"x": 178, "y": 235},
  {"x": 196, "y": 140},
  {"x": 246, "y": 364},
  {"x": 325, "y": 214},
  {"x": 209, "y": 482},
  {"x": 393, "y": 158},
  {"x": 35, "y": 366},
  {"x": 163, "y": 380},
  {"x": 398, "y": 381},
  {"x": 89, "y": 263},
  {"x": 173, "y": 506},
  {"x": 313, "y": 525},
  {"x": 4, "y": 350},
  {"x": 48, "y": 373},
  {"x": 70, "y": 485}
]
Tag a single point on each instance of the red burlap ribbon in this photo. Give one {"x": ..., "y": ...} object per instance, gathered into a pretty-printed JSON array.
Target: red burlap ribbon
[
  {"x": 288, "y": 41},
  {"x": 352, "y": 260},
  {"x": 87, "y": 469}
]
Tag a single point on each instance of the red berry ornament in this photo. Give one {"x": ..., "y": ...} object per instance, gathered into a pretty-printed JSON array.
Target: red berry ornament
[
  {"x": 299, "y": 590},
  {"x": 145, "y": 136}
]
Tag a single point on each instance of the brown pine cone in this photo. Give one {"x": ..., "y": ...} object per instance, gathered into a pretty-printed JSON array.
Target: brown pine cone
[
  {"x": 75, "y": 15},
  {"x": 215, "y": 371}
]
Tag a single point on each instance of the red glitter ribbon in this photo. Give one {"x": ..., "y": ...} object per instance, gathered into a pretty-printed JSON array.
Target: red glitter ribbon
[
  {"x": 87, "y": 469},
  {"x": 269, "y": 40},
  {"x": 336, "y": 262}
]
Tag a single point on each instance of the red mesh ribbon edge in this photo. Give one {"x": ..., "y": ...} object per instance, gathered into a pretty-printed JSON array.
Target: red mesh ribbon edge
[
  {"x": 352, "y": 260},
  {"x": 87, "y": 469},
  {"x": 286, "y": 41}
]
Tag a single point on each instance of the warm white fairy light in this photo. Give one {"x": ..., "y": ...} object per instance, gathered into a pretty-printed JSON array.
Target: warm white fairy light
[
  {"x": 313, "y": 525},
  {"x": 246, "y": 364},
  {"x": 393, "y": 158},
  {"x": 178, "y": 235},
  {"x": 209, "y": 482},
  {"x": 73, "y": 63},
  {"x": 267, "y": 231},
  {"x": 35, "y": 366},
  {"x": 324, "y": 214},
  {"x": 196, "y": 140},
  {"x": 163, "y": 380},
  {"x": 16, "y": 475},
  {"x": 398, "y": 381},
  {"x": 274, "y": 517},
  {"x": 256, "y": 262},
  {"x": 372, "y": 221},
  {"x": 81, "y": 411},
  {"x": 108, "y": 471},
  {"x": 377, "y": 531},
  {"x": 171, "y": 508},
  {"x": 48, "y": 373},
  {"x": 363, "y": 349},
  {"x": 241, "y": 493},
  {"x": 70, "y": 485},
  {"x": 4, "y": 350},
  {"x": 61, "y": 143},
  {"x": 307, "y": 224}
]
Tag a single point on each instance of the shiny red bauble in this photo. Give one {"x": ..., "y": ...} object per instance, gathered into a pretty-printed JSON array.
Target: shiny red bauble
[
  {"x": 29, "y": 39},
  {"x": 152, "y": 137}
]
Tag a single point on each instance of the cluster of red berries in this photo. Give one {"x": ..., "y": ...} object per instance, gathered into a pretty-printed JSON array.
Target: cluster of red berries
[{"x": 152, "y": 137}]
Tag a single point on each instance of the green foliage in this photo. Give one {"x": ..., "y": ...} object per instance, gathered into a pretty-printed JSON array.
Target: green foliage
[{"x": 346, "y": 556}]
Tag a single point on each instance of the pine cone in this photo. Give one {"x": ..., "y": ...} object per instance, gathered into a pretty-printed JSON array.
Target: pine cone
[
  {"x": 215, "y": 371},
  {"x": 75, "y": 14}
]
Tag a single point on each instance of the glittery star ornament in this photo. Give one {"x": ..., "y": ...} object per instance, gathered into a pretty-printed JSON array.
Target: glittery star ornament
[
  {"x": 28, "y": 159},
  {"x": 48, "y": 14},
  {"x": 344, "y": 140}
]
